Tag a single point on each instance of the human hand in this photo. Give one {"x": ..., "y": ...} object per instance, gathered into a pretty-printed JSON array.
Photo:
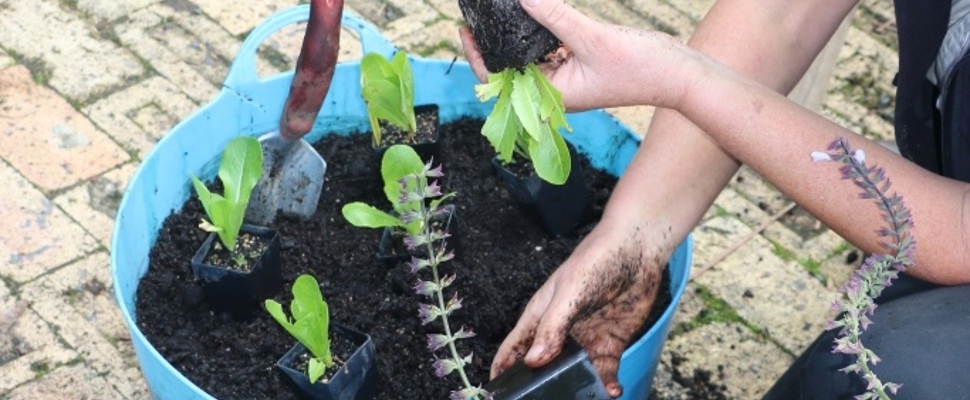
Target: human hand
[
  {"x": 601, "y": 296},
  {"x": 602, "y": 65}
]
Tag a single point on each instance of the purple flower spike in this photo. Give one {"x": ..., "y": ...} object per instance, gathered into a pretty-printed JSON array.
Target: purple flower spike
[
  {"x": 433, "y": 172},
  {"x": 877, "y": 271},
  {"x": 425, "y": 288}
]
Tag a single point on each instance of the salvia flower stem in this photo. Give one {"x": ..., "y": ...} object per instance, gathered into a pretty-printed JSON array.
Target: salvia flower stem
[
  {"x": 427, "y": 237},
  {"x": 877, "y": 271}
]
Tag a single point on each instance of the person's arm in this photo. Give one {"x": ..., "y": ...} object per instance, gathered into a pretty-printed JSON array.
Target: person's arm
[
  {"x": 775, "y": 137},
  {"x": 672, "y": 180},
  {"x": 678, "y": 170}
]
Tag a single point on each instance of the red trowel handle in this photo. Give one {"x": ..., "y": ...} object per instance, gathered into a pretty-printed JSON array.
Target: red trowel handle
[{"x": 314, "y": 68}]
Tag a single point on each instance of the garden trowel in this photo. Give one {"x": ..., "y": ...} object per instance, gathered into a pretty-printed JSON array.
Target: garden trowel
[{"x": 293, "y": 171}]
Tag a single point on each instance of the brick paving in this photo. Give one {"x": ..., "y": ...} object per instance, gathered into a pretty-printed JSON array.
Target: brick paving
[{"x": 87, "y": 87}]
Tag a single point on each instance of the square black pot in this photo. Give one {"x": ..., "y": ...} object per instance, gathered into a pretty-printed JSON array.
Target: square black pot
[
  {"x": 426, "y": 150},
  {"x": 358, "y": 379},
  {"x": 571, "y": 376},
  {"x": 234, "y": 291},
  {"x": 558, "y": 208},
  {"x": 391, "y": 251}
]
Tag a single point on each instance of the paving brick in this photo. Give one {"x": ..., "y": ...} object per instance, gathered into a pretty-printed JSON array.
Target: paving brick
[
  {"x": 378, "y": 12},
  {"x": 33, "y": 346},
  {"x": 774, "y": 294},
  {"x": 94, "y": 203},
  {"x": 442, "y": 35},
  {"x": 37, "y": 236},
  {"x": 206, "y": 32},
  {"x": 839, "y": 267},
  {"x": 105, "y": 11},
  {"x": 611, "y": 11},
  {"x": 448, "y": 8},
  {"x": 410, "y": 7},
  {"x": 78, "y": 302},
  {"x": 637, "y": 118},
  {"x": 662, "y": 16},
  {"x": 45, "y": 139},
  {"x": 140, "y": 115},
  {"x": 691, "y": 305},
  {"x": 5, "y": 60},
  {"x": 171, "y": 65},
  {"x": 410, "y": 23},
  {"x": 80, "y": 63},
  {"x": 753, "y": 187},
  {"x": 695, "y": 9},
  {"x": 73, "y": 382},
  {"x": 665, "y": 387},
  {"x": 714, "y": 237},
  {"x": 241, "y": 16},
  {"x": 733, "y": 356}
]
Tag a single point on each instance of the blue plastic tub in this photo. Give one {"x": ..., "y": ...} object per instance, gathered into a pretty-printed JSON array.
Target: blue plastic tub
[{"x": 252, "y": 106}]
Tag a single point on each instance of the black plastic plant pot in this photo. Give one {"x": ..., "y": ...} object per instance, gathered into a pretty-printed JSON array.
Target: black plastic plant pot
[
  {"x": 357, "y": 379},
  {"x": 428, "y": 126},
  {"x": 571, "y": 376},
  {"x": 558, "y": 208},
  {"x": 235, "y": 291},
  {"x": 506, "y": 36},
  {"x": 392, "y": 252}
]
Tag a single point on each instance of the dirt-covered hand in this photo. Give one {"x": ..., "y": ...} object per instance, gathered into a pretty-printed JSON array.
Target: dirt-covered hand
[
  {"x": 602, "y": 65},
  {"x": 601, "y": 296}
]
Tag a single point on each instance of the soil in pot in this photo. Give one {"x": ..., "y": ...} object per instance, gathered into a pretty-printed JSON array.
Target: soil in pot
[
  {"x": 506, "y": 36},
  {"x": 504, "y": 259},
  {"x": 426, "y": 138}
]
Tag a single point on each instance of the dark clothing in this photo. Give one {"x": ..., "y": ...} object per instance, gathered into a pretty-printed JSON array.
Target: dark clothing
[{"x": 920, "y": 331}]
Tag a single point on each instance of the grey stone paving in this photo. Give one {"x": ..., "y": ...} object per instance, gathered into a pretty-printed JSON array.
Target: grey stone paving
[{"x": 87, "y": 87}]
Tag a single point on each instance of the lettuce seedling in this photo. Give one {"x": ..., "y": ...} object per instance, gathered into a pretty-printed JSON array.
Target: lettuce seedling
[
  {"x": 310, "y": 324},
  {"x": 398, "y": 161},
  {"x": 239, "y": 171},
  {"x": 388, "y": 89},
  {"x": 526, "y": 120}
]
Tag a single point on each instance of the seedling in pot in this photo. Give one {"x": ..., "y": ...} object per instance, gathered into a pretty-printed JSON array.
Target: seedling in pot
[
  {"x": 398, "y": 162},
  {"x": 387, "y": 87},
  {"x": 352, "y": 378},
  {"x": 526, "y": 121},
  {"x": 241, "y": 166},
  {"x": 234, "y": 276},
  {"x": 310, "y": 325},
  {"x": 418, "y": 199}
]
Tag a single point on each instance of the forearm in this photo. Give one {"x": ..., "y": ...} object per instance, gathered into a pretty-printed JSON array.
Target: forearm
[
  {"x": 776, "y": 137},
  {"x": 679, "y": 170}
]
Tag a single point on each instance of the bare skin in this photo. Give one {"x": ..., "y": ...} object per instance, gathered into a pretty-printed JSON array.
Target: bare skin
[{"x": 718, "y": 114}]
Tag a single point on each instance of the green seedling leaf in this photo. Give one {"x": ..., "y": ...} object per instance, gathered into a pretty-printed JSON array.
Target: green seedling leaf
[
  {"x": 239, "y": 171},
  {"x": 398, "y": 161},
  {"x": 402, "y": 65},
  {"x": 401, "y": 161},
  {"x": 366, "y": 216},
  {"x": 315, "y": 369},
  {"x": 525, "y": 102},
  {"x": 551, "y": 108},
  {"x": 550, "y": 157},
  {"x": 310, "y": 324},
  {"x": 496, "y": 84},
  {"x": 502, "y": 127},
  {"x": 388, "y": 89}
]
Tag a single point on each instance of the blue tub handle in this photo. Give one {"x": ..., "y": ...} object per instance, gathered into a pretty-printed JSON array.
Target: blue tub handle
[{"x": 243, "y": 70}]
